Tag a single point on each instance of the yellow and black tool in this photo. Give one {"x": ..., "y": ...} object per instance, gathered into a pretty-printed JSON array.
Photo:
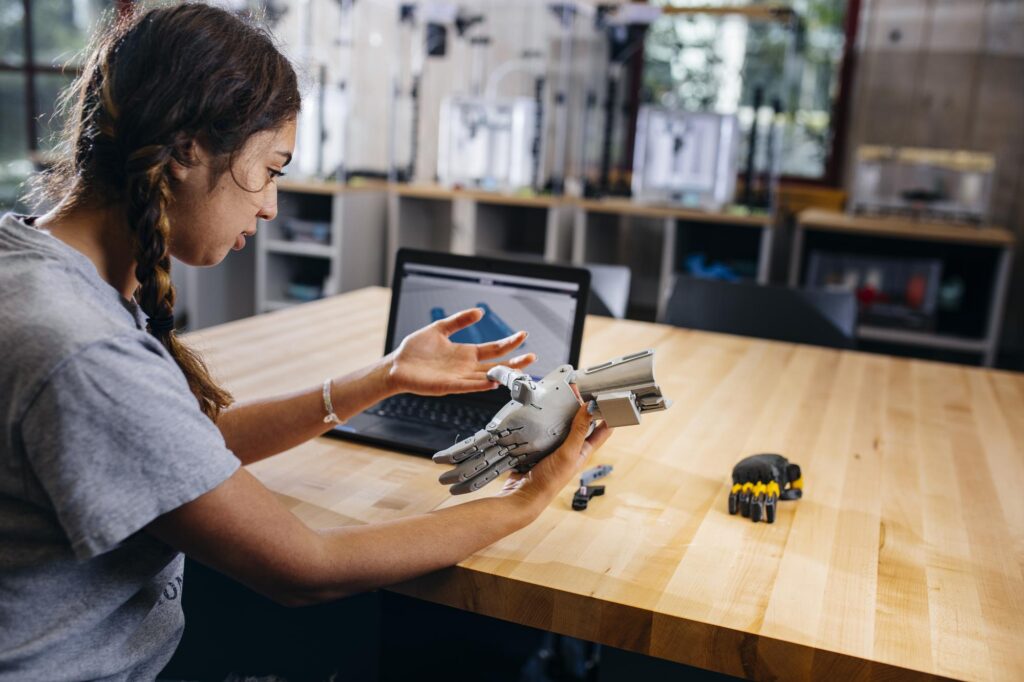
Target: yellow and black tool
[{"x": 759, "y": 481}]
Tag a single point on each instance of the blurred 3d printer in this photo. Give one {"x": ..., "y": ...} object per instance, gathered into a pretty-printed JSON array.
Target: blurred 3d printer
[
  {"x": 508, "y": 128},
  {"x": 685, "y": 158},
  {"x": 936, "y": 184},
  {"x": 487, "y": 143},
  {"x": 490, "y": 139}
]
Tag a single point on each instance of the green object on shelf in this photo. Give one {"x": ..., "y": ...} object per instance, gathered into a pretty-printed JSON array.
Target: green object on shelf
[{"x": 951, "y": 293}]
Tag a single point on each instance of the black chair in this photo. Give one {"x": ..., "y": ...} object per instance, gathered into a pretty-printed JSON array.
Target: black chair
[{"x": 820, "y": 318}]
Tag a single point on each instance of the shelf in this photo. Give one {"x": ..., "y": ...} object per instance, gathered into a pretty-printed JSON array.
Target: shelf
[
  {"x": 440, "y": 192},
  {"x": 329, "y": 187},
  {"x": 921, "y": 339},
  {"x": 905, "y": 228},
  {"x": 300, "y": 248},
  {"x": 659, "y": 210}
]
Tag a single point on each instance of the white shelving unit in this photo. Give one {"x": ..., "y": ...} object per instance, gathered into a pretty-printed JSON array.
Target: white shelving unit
[
  {"x": 211, "y": 296},
  {"x": 367, "y": 224},
  {"x": 996, "y": 242},
  {"x": 478, "y": 223},
  {"x": 564, "y": 230},
  {"x": 352, "y": 257},
  {"x": 646, "y": 238}
]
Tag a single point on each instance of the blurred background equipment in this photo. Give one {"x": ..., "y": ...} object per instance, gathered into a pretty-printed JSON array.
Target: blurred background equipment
[
  {"x": 836, "y": 144},
  {"x": 684, "y": 157},
  {"x": 937, "y": 184},
  {"x": 487, "y": 143}
]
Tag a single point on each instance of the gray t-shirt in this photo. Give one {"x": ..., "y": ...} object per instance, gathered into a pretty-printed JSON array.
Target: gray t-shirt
[{"x": 99, "y": 435}]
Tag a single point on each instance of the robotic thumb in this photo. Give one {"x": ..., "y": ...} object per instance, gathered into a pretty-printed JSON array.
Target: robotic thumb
[{"x": 502, "y": 374}]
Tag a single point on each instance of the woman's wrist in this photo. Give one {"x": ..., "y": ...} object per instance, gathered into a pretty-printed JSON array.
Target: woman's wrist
[
  {"x": 385, "y": 377},
  {"x": 521, "y": 509},
  {"x": 354, "y": 392},
  {"x": 528, "y": 497}
]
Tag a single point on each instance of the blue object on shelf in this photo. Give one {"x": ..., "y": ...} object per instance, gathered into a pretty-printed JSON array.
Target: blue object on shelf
[
  {"x": 304, "y": 292},
  {"x": 696, "y": 266}
]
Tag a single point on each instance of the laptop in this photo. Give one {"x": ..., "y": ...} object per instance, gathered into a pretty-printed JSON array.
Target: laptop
[{"x": 548, "y": 301}]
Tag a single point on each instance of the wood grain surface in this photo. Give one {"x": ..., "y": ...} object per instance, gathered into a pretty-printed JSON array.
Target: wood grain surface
[
  {"x": 835, "y": 221},
  {"x": 442, "y": 193},
  {"x": 435, "y": 191},
  {"x": 665, "y": 210},
  {"x": 904, "y": 558}
]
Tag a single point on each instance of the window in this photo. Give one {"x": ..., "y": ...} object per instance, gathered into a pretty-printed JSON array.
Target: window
[
  {"x": 40, "y": 49},
  {"x": 722, "y": 61}
]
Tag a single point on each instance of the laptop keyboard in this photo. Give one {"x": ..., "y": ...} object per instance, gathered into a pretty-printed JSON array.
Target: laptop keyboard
[{"x": 444, "y": 412}]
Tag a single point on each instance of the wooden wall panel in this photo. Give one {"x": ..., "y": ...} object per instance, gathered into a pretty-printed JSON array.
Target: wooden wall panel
[
  {"x": 949, "y": 74},
  {"x": 889, "y": 62}
]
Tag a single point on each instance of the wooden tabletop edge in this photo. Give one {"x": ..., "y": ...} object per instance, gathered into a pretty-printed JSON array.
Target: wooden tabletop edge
[{"x": 651, "y": 633}]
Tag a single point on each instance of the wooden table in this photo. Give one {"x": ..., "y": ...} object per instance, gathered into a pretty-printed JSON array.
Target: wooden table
[{"x": 904, "y": 558}]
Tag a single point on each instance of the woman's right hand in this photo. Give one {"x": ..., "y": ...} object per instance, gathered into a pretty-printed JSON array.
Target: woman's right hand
[{"x": 548, "y": 477}]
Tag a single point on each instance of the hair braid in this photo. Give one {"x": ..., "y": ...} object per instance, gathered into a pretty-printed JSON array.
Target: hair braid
[{"x": 148, "y": 194}]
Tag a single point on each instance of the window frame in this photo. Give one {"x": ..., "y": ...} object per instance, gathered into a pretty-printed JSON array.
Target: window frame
[
  {"x": 29, "y": 68},
  {"x": 841, "y": 107},
  {"x": 832, "y": 175}
]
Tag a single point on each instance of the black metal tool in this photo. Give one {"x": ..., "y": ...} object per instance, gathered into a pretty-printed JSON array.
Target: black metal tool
[
  {"x": 586, "y": 491},
  {"x": 583, "y": 495}
]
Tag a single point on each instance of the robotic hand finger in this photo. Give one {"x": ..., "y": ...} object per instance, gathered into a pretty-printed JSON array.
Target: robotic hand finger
[
  {"x": 466, "y": 448},
  {"x": 485, "y": 476},
  {"x": 469, "y": 468}
]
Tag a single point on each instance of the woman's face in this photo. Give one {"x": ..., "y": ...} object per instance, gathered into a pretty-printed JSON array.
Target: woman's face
[{"x": 206, "y": 224}]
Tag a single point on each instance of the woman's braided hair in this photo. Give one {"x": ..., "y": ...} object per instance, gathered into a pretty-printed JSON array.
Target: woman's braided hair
[{"x": 154, "y": 84}]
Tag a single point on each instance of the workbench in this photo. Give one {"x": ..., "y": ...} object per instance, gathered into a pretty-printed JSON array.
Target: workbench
[{"x": 904, "y": 557}]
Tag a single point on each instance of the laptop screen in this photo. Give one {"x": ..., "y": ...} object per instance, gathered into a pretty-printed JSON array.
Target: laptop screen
[{"x": 546, "y": 308}]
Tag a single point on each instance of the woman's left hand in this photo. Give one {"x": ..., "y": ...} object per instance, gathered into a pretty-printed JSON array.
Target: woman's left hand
[{"x": 428, "y": 363}]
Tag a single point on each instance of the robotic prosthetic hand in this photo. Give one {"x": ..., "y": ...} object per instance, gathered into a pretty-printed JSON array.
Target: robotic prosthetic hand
[
  {"x": 759, "y": 482},
  {"x": 537, "y": 419},
  {"x": 531, "y": 425}
]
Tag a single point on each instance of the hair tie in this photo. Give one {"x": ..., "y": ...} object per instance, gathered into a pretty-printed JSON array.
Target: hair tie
[{"x": 161, "y": 325}]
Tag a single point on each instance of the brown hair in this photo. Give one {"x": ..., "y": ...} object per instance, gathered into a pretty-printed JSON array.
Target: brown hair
[{"x": 153, "y": 84}]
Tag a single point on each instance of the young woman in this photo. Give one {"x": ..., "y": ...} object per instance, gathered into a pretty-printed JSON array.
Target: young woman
[{"x": 118, "y": 452}]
